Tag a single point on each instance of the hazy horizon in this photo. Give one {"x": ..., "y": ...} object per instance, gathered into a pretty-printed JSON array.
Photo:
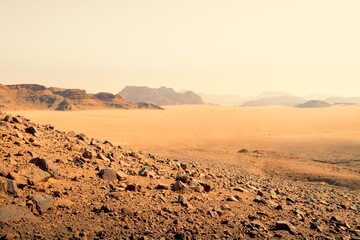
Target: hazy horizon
[
  {"x": 214, "y": 47},
  {"x": 260, "y": 94}
]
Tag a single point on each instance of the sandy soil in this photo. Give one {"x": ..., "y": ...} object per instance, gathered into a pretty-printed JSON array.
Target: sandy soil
[{"x": 317, "y": 145}]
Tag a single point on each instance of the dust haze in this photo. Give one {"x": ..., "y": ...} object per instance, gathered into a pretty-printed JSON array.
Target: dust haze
[{"x": 312, "y": 145}]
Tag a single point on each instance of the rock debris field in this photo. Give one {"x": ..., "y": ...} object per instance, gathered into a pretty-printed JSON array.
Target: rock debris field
[{"x": 66, "y": 185}]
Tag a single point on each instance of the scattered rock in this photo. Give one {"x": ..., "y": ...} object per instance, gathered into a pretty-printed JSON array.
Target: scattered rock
[
  {"x": 260, "y": 200},
  {"x": 162, "y": 186},
  {"x": 33, "y": 131},
  {"x": 316, "y": 226},
  {"x": 182, "y": 178},
  {"x": 78, "y": 161},
  {"x": 336, "y": 218},
  {"x": 201, "y": 204},
  {"x": 87, "y": 154},
  {"x": 206, "y": 186},
  {"x": 121, "y": 176},
  {"x": 81, "y": 136},
  {"x": 284, "y": 225},
  {"x": 183, "y": 201},
  {"x": 12, "y": 188},
  {"x": 144, "y": 171},
  {"x": 240, "y": 189},
  {"x": 234, "y": 199},
  {"x": 102, "y": 157},
  {"x": 195, "y": 185},
  {"x": 131, "y": 187},
  {"x": 179, "y": 186},
  {"x": 43, "y": 202},
  {"x": 244, "y": 150},
  {"x": 8, "y": 118},
  {"x": 41, "y": 163},
  {"x": 290, "y": 200},
  {"x": 108, "y": 174},
  {"x": 225, "y": 207},
  {"x": 20, "y": 180},
  {"x": 35, "y": 175}
]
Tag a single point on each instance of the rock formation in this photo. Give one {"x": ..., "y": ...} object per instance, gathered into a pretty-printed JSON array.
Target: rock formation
[
  {"x": 288, "y": 101},
  {"x": 314, "y": 104},
  {"x": 159, "y": 96},
  {"x": 35, "y": 96}
]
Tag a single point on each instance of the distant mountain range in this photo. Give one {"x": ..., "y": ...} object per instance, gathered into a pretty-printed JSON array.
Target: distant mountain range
[
  {"x": 314, "y": 104},
  {"x": 34, "y": 96},
  {"x": 222, "y": 99},
  {"x": 288, "y": 101},
  {"x": 340, "y": 100},
  {"x": 279, "y": 99},
  {"x": 160, "y": 96}
]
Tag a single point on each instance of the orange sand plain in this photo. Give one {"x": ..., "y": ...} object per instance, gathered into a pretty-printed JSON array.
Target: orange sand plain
[{"x": 317, "y": 145}]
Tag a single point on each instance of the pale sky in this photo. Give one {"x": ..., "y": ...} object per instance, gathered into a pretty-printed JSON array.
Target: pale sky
[{"x": 217, "y": 47}]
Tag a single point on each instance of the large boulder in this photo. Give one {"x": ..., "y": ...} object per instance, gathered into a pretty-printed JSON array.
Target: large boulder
[
  {"x": 43, "y": 202},
  {"x": 8, "y": 187},
  {"x": 45, "y": 165},
  {"x": 34, "y": 174},
  {"x": 111, "y": 175},
  {"x": 33, "y": 131}
]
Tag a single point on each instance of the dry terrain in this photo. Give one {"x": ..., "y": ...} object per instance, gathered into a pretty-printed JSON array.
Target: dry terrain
[
  {"x": 200, "y": 172},
  {"x": 321, "y": 145}
]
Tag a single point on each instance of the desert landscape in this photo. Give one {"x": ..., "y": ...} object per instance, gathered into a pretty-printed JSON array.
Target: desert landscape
[
  {"x": 184, "y": 120},
  {"x": 291, "y": 143},
  {"x": 201, "y": 172}
]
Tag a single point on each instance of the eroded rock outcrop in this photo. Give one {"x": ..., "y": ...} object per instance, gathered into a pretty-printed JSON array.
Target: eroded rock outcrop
[
  {"x": 36, "y": 96},
  {"x": 159, "y": 96}
]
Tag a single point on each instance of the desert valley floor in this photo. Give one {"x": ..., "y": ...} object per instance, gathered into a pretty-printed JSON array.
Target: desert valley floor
[
  {"x": 317, "y": 145},
  {"x": 186, "y": 172}
]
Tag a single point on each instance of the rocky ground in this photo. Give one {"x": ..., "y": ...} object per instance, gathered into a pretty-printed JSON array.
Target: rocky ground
[{"x": 65, "y": 185}]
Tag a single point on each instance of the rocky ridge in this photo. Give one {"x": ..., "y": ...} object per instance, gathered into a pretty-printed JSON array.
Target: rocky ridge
[
  {"x": 160, "y": 96},
  {"x": 313, "y": 104},
  {"x": 287, "y": 100},
  {"x": 64, "y": 185},
  {"x": 36, "y": 96}
]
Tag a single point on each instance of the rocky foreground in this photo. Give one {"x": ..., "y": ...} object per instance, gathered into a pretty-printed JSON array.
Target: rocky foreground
[{"x": 59, "y": 185}]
